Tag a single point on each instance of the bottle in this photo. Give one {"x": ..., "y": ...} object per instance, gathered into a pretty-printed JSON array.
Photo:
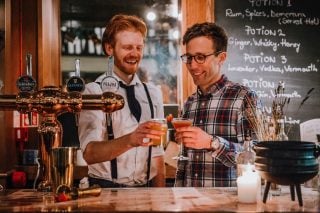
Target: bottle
[
  {"x": 247, "y": 157},
  {"x": 282, "y": 136}
]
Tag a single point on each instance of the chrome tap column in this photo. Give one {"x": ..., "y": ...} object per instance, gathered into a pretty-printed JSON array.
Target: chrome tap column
[{"x": 50, "y": 137}]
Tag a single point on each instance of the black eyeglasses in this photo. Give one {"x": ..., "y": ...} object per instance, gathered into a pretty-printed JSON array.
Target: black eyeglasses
[{"x": 199, "y": 58}]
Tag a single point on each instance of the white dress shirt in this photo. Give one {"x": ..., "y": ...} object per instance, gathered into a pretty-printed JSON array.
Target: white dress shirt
[{"x": 132, "y": 165}]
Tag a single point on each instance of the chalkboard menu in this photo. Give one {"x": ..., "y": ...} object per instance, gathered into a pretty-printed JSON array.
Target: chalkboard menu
[{"x": 272, "y": 41}]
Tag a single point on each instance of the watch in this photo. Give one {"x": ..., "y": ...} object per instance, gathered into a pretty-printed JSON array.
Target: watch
[{"x": 215, "y": 143}]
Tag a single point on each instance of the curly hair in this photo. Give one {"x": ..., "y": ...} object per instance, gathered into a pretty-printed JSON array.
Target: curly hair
[
  {"x": 119, "y": 23},
  {"x": 211, "y": 30}
]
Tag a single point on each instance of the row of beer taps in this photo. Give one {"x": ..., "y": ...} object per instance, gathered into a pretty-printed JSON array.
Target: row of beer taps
[{"x": 50, "y": 101}]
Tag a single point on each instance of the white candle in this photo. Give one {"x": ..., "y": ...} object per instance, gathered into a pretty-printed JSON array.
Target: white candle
[{"x": 249, "y": 186}]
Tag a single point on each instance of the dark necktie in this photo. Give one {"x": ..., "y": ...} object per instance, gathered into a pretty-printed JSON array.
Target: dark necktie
[{"x": 134, "y": 105}]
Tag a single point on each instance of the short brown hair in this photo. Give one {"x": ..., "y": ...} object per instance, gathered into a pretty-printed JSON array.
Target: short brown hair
[
  {"x": 119, "y": 23},
  {"x": 210, "y": 30}
]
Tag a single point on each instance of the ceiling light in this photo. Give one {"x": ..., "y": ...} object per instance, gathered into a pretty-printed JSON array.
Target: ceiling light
[{"x": 151, "y": 16}]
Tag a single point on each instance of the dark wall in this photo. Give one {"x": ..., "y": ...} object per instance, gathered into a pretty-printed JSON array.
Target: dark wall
[{"x": 272, "y": 41}]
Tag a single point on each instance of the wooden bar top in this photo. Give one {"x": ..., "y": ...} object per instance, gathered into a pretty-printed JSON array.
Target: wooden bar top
[{"x": 159, "y": 199}]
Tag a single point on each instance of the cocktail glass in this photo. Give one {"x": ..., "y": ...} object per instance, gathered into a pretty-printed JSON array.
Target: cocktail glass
[{"x": 177, "y": 123}]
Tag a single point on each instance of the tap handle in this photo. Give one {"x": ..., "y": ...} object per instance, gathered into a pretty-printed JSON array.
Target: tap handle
[
  {"x": 110, "y": 66},
  {"x": 76, "y": 83},
  {"x": 26, "y": 83},
  {"x": 77, "y": 67},
  {"x": 109, "y": 83},
  {"x": 29, "y": 64}
]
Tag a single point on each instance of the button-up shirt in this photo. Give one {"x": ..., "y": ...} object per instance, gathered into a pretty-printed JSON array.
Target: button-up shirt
[
  {"x": 132, "y": 165},
  {"x": 221, "y": 113}
]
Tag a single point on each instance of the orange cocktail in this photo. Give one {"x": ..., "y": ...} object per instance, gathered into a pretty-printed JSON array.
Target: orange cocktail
[
  {"x": 177, "y": 123},
  {"x": 181, "y": 122}
]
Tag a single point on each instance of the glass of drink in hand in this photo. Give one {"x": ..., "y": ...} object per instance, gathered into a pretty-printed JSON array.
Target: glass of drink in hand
[
  {"x": 164, "y": 128},
  {"x": 177, "y": 123}
]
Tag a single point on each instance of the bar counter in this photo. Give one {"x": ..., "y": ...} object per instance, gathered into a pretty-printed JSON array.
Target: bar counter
[{"x": 159, "y": 199}]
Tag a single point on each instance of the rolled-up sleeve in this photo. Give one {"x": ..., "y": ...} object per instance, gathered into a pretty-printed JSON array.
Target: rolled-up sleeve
[{"x": 91, "y": 122}]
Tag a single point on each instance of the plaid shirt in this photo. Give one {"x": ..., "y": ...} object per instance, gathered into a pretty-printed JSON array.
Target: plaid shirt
[{"x": 220, "y": 113}]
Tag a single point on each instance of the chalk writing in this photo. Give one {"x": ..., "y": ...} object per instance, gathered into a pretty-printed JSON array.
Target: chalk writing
[
  {"x": 310, "y": 68},
  {"x": 271, "y": 41},
  {"x": 263, "y": 3},
  {"x": 263, "y": 31},
  {"x": 265, "y": 43},
  {"x": 274, "y": 14},
  {"x": 261, "y": 58},
  {"x": 230, "y": 13},
  {"x": 259, "y": 83},
  {"x": 254, "y": 14}
]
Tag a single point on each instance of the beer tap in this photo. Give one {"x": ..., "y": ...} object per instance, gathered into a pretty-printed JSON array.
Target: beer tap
[
  {"x": 26, "y": 85},
  {"x": 51, "y": 101},
  {"x": 109, "y": 84},
  {"x": 75, "y": 85}
]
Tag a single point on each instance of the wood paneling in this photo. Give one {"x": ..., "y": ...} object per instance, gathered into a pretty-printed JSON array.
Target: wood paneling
[
  {"x": 192, "y": 12},
  {"x": 31, "y": 26},
  {"x": 11, "y": 66},
  {"x": 49, "y": 72}
]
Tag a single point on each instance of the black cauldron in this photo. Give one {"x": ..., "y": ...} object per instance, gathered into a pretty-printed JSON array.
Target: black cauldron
[{"x": 287, "y": 163}]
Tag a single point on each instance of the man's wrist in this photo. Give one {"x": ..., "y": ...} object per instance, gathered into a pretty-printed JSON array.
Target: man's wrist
[{"x": 214, "y": 142}]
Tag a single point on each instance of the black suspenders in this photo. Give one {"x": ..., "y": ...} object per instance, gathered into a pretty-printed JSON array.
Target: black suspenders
[
  {"x": 114, "y": 170},
  {"x": 150, "y": 147}
]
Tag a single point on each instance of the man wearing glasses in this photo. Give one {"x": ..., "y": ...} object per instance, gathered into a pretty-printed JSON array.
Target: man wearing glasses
[{"x": 217, "y": 109}]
